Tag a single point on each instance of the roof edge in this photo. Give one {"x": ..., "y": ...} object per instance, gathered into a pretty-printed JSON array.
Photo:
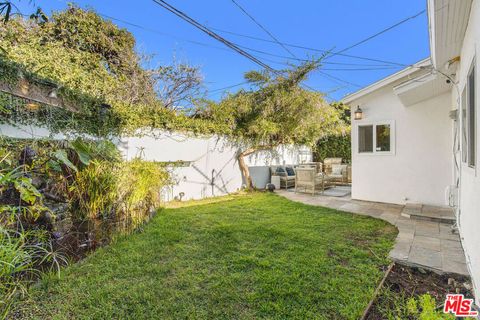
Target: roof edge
[{"x": 387, "y": 80}]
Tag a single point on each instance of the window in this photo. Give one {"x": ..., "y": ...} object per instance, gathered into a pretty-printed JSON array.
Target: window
[
  {"x": 383, "y": 137},
  {"x": 365, "y": 139},
  {"x": 376, "y": 138},
  {"x": 464, "y": 125},
  {"x": 469, "y": 123},
  {"x": 471, "y": 115}
]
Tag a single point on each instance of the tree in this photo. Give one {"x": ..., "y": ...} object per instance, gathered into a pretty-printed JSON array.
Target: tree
[
  {"x": 78, "y": 50},
  {"x": 9, "y": 9},
  {"x": 177, "y": 85},
  {"x": 278, "y": 111}
]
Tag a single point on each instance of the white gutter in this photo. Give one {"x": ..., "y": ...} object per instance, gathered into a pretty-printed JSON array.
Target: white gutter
[{"x": 388, "y": 80}]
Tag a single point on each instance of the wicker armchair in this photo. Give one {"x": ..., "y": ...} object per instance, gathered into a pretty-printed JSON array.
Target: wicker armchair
[
  {"x": 286, "y": 180},
  {"x": 329, "y": 162},
  {"x": 339, "y": 173},
  {"x": 309, "y": 179}
]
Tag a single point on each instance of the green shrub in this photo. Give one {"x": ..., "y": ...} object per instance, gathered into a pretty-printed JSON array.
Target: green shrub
[
  {"x": 94, "y": 192},
  {"x": 140, "y": 183},
  {"x": 334, "y": 146},
  {"x": 22, "y": 254}
]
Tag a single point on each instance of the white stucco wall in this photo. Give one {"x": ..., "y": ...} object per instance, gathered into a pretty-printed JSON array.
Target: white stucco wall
[
  {"x": 469, "y": 210},
  {"x": 209, "y": 158},
  {"x": 420, "y": 168},
  {"x": 211, "y": 167}
]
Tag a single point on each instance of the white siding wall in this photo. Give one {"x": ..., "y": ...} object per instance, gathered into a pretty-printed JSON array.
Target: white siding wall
[
  {"x": 208, "y": 157},
  {"x": 470, "y": 178},
  {"x": 421, "y": 167}
]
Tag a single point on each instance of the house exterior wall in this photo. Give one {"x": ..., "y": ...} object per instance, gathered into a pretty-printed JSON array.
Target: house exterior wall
[
  {"x": 205, "y": 158},
  {"x": 469, "y": 195},
  {"x": 420, "y": 168}
]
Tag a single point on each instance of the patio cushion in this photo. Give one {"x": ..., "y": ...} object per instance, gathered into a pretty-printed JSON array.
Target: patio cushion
[
  {"x": 290, "y": 171},
  {"x": 335, "y": 176},
  {"x": 280, "y": 171},
  {"x": 337, "y": 169}
]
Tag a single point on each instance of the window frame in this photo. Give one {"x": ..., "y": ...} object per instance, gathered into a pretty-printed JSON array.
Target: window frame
[
  {"x": 471, "y": 72},
  {"x": 374, "y": 124},
  {"x": 464, "y": 122}
]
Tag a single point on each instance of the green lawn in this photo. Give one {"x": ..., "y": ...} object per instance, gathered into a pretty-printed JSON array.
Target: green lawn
[{"x": 250, "y": 256}]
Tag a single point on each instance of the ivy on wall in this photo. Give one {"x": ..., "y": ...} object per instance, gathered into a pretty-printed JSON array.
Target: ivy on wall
[
  {"x": 334, "y": 146},
  {"x": 92, "y": 63}
]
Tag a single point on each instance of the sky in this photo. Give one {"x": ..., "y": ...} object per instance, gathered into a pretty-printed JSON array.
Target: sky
[{"x": 315, "y": 24}]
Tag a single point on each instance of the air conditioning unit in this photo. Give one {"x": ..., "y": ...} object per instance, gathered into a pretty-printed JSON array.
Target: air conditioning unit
[{"x": 451, "y": 196}]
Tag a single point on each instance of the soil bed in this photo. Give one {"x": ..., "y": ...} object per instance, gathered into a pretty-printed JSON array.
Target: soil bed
[{"x": 404, "y": 283}]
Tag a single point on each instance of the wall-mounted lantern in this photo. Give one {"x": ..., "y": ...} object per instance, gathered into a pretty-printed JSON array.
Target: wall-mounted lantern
[{"x": 358, "y": 113}]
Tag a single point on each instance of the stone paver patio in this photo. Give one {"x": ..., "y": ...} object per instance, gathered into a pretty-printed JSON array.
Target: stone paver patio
[{"x": 427, "y": 244}]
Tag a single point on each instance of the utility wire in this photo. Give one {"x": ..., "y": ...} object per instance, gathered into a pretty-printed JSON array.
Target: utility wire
[
  {"x": 339, "y": 79},
  {"x": 156, "y": 31},
  {"x": 212, "y": 34},
  {"x": 309, "y": 48},
  {"x": 263, "y": 28},
  {"x": 222, "y": 48},
  {"x": 228, "y": 87},
  {"x": 377, "y": 34}
]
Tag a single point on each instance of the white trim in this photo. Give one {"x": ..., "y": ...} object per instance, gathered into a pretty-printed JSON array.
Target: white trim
[
  {"x": 414, "y": 83},
  {"x": 388, "y": 80},
  {"x": 431, "y": 30},
  {"x": 391, "y": 123}
]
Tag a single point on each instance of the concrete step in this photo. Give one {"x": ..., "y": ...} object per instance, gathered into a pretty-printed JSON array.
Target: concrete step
[{"x": 417, "y": 211}]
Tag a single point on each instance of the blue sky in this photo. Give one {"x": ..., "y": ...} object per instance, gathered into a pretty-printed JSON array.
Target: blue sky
[{"x": 320, "y": 24}]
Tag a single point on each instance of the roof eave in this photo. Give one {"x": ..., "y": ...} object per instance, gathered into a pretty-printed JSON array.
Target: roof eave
[{"x": 388, "y": 80}]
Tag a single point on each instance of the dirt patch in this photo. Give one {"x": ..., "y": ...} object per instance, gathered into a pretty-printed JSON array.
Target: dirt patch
[{"x": 404, "y": 283}]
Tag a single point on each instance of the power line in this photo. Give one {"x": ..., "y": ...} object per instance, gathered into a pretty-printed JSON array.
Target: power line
[
  {"x": 309, "y": 48},
  {"x": 156, "y": 31},
  {"x": 221, "y": 48},
  {"x": 339, "y": 79},
  {"x": 212, "y": 34},
  {"x": 263, "y": 28},
  {"x": 378, "y": 33},
  {"x": 228, "y": 87}
]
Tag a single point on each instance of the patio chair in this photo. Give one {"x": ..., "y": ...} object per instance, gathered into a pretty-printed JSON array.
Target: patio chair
[
  {"x": 286, "y": 174},
  {"x": 309, "y": 179},
  {"x": 339, "y": 173},
  {"x": 317, "y": 165},
  {"x": 329, "y": 162}
]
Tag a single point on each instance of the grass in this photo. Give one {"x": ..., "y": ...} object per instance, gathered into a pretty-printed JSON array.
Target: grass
[{"x": 251, "y": 256}]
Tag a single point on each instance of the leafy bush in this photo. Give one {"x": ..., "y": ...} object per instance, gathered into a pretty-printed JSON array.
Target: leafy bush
[
  {"x": 94, "y": 191},
  {"x": 333, "y": 146},
  {"x": 22, "y": 254},
  {"x": 393, "y": 305},
  {"x": 101, "y": 195},
  {"x": 140, "y": 183}
]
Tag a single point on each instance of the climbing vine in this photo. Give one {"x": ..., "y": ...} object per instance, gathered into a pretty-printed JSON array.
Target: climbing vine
[{"x": 93, "y": 65}]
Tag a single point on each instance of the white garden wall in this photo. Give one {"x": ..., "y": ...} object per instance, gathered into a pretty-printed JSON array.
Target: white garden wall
[
  {"x": 469, "y": 210},
  {"x": 210, "y": 166},
  {"x": 420, "y": 167}
]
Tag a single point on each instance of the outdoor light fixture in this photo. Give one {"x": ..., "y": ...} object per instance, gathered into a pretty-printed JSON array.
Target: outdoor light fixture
[{"x": 358, "y": 113}]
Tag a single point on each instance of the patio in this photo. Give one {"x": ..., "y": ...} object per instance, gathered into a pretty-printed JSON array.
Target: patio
[{"x": 420, "y": 243}]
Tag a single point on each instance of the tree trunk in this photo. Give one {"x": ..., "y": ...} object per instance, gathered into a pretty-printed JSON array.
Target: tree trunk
[
  {"x": 243, "y": 166},
  {"x": 245, "y": 172}
]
